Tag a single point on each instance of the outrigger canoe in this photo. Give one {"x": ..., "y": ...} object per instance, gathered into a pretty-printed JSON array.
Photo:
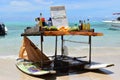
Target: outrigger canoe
[{"x": 32, "y": 68}]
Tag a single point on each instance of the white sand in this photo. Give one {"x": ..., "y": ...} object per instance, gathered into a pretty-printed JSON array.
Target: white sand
[{"x": 8, "y": 70}]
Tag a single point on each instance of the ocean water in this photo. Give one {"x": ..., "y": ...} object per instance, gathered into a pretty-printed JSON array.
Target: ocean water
[{"x": 11, "y": 43}]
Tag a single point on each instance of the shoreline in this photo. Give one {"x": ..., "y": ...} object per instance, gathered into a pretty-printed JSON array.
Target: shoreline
[
  {"x": 79, "y": 51},
  {"x": 9, "y": 71}
]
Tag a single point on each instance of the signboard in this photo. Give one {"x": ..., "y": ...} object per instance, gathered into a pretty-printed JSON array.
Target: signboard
[{"x": 58, "y": 15}]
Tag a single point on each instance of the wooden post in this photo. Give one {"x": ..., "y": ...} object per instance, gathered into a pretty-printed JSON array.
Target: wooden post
[
  {"x": 62, "y": 45},
  {"x": 56, "y": 48},
  {"x": 89, "y": 49},
  {"x": 41, "y": 49}
]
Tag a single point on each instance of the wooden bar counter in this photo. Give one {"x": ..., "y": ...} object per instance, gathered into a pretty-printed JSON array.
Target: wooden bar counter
[
  {"x": 58, "y": 59},
  {"x": 60, "y": 33}
]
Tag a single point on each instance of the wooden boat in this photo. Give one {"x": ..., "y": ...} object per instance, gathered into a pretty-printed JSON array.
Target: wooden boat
[
  {"x": 61, "y": 62},
  {"x": 66, "y": 61},
  {"x": 31, "y": 68},
  {"x": 31, "y": 60}
]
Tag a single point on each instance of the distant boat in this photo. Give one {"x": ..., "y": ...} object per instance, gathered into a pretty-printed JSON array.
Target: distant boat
[
  {"x": 107, "y": 21},
  {"x": 3, "y": 29},
  {"x": 114, "y": 23}
]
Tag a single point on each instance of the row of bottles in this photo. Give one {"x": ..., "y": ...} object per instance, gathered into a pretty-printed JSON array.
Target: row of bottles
[
  {"x": 42, "y": 22},
  {"x": 84, "y": 25}
]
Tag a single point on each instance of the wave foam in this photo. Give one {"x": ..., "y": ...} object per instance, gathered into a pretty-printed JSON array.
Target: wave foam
[{"x": 9, "y": 57}]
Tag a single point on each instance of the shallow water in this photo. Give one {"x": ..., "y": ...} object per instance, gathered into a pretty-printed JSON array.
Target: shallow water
[{"x": 10, "y": 44}]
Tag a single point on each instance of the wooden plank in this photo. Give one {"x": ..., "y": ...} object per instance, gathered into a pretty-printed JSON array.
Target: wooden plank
[
  {"x": 30, "y": 52},
  {"x": 86, "y": 33},
  {"x": 59, "y": 33},
  {"x": 55, "y": 33}
]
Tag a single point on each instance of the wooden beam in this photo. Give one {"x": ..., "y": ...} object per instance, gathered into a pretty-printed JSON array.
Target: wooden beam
[{"x": 60, "y": 33}]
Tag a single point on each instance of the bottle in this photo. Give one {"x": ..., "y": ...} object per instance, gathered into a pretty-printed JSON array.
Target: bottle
[
  {"x": 40, "y": 21},
  {"x": 84, "y": 25},
  {"x": 49, "y": 22},
  {"x": 88, "y": 24},
  {"x": 80, "y": 25},
  {"x": 43, "y": 21}
]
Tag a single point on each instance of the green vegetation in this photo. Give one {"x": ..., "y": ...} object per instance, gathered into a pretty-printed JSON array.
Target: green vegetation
[
  {"x": 52, "y": 28},
  {"x": 74, "y": 28}
]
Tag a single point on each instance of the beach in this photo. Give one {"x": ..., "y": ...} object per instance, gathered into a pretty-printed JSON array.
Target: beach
[
  {"x": 105, "y": 49},
  {"x": 72, "y": 34},
  {"x": 8, "y": 70}
]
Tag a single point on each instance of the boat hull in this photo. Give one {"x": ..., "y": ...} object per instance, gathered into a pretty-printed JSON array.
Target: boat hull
[
  {"x": 114, "y": 24},
  {"x": 3, "y": 29},
  {"x": 31, "y": 68}
]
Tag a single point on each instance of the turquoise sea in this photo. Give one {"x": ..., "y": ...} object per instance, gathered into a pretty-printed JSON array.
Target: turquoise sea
[{"x": 11, "y": 43}]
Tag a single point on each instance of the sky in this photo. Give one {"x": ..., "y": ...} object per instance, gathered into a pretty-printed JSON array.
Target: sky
[{"x": 27, "y": 10}]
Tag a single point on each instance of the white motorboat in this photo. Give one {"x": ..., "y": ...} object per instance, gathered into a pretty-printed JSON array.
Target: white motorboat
[{"x": 114, "y": 23}]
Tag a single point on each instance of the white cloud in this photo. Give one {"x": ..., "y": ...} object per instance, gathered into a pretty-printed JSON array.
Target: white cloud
[
  {"x": 27, "y": 5},
  {"x": 93, "y": 4},
  {"x": 45, "y": 2},
  {"x": 20, "y": 3},
  {"x": 20, "y": 6}
]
